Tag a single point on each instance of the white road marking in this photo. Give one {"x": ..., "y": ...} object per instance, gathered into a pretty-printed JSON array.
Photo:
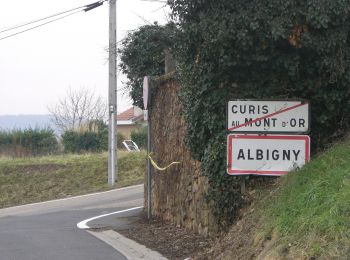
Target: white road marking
[
  {"x": 83, "y": 224},
  {"x": 75, "y": 197},
  {"x": 127, "y": 247}
]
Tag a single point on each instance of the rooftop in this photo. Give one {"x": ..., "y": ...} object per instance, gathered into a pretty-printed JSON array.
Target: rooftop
[{"x": 131, "y": 114}]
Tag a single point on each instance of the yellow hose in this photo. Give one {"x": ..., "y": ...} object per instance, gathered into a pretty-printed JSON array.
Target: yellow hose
[{"x": 160, "y": 168}]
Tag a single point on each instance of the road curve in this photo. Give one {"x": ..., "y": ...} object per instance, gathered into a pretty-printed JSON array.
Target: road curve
[{"x": 48, "y": 230}]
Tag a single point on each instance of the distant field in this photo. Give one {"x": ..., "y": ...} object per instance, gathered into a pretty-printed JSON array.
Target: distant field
[{"x": 44, "y": 178}]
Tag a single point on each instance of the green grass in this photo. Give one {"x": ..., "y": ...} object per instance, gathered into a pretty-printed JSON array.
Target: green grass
[
  {"x": 38, "y": 179},
  {"x": 310, "y": 212}
]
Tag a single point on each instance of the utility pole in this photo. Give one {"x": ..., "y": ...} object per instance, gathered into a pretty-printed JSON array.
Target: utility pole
[{"x": 112, "y": 97}]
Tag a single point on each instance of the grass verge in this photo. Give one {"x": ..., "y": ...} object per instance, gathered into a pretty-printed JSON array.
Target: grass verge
[
  {"x": 303, "y": 215},
  {"x": 309, "y": 215},
  {"x": 30, "y": 180}
]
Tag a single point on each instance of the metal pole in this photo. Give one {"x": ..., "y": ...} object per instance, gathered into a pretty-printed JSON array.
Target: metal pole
[
  {"x": 149, "y": 175},
  {"x": 112, "y": 97}
]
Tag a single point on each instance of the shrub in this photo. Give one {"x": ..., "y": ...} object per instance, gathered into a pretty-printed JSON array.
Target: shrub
[
  {"x": 88, "y": 141},
  {"x": 28, "y": 142},
  {"x": 77, "y": 142},
  {"x": 120, "y": 139},
  {"x": 140, "y": 137}
]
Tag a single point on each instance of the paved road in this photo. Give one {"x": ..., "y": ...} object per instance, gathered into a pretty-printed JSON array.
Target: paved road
[{"x": 48, "y": 230}]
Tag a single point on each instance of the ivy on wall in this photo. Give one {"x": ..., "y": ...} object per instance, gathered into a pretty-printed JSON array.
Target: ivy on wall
[
  {"x": 256, "y": 49},
  {"x": 230, "y": 49}
]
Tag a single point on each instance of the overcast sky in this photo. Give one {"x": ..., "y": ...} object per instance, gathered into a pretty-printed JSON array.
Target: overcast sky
[{"x": 39, "y": 66}]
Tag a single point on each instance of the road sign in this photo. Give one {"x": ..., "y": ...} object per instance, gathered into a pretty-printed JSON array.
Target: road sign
[
  {"x": 266, "y": 154},
  {"x": 145, "y": 90},
  {"x": 268, "y": 116}
]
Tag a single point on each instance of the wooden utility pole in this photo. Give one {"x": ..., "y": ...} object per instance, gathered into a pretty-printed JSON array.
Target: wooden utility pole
[{"x": 112, "y": 97}]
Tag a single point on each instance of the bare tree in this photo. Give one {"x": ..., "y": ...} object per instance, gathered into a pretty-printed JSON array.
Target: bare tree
[{"x": 78, "y": 109}]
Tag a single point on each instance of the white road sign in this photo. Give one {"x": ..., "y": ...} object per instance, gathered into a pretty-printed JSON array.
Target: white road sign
[
  {"x": 266, "y": 154},
  {"x": 268, "y": 116},
  {"x": 145, "y": 91}
]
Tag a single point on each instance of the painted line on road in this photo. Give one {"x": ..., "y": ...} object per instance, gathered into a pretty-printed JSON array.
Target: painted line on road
[
  {"x": 127, "y": 247},
  {"x": 75, "y": 197},
  {"x": 83, "y": 224}
]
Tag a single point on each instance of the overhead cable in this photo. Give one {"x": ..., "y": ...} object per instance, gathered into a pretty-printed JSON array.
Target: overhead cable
[
  {"x": 41, "y": 19},
  {"x": 31, "y": 28},
  {"x": 85, "y": 8}
]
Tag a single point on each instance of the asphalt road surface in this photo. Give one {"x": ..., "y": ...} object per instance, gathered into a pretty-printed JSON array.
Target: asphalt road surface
[{"x": 48, "y": 230}]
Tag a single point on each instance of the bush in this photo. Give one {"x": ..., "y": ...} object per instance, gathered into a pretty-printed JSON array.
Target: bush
[
  {"x": 140, "y": 137},
  {"x": 28, "y": 142},
  {"x": 75, "y": 142},
  {"x": 89, "y": 141},
  {"x": 120, "y": 139}
]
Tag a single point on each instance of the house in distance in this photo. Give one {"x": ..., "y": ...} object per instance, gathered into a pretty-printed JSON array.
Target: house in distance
[{"x": 130, "y": 120}]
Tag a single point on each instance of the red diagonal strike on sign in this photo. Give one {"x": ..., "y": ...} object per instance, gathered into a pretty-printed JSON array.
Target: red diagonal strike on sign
[{"x": 267, "y": 116}]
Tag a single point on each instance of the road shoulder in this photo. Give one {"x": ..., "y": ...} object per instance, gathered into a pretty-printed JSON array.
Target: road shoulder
[
  {"x": 129, "y": 248},
  {"x": 105, "y": 227}
]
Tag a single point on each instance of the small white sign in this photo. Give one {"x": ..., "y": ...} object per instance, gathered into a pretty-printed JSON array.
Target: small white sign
[
  {"x": 268, "y": 116},
  {"x": 266, "y": 154},
  {"x": 145, "y": 90}
]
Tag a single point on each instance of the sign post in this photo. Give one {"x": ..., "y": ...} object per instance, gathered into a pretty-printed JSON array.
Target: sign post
[{"x": 146, "y": 91}]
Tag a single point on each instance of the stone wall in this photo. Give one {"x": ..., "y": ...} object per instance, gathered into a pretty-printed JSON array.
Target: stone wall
[{"x": 178, "y": 193}]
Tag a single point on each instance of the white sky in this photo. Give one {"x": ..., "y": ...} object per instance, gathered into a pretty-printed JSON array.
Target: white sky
[{"x": 39, "y": 66}]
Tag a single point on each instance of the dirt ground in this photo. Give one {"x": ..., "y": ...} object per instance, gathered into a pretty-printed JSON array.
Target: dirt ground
[
  {"x": 240, "y": 242},
  {"x": 179, "y": 243},
  {"x": 171, "y": 241}
]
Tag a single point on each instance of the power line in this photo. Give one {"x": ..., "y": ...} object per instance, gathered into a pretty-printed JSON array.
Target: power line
[
  {"x": 85, "y": 8},
  {"x": 162, "y": 7},
  {"x": 142, "y": 18},
  {"x": 29, "y": 29},
  {"x": 38, "y": 20}
]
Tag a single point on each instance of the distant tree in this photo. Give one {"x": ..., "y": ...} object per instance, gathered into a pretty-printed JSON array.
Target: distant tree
[
  {"x": 142, "y": 54},
  {"x": 77, "y": 110}
]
